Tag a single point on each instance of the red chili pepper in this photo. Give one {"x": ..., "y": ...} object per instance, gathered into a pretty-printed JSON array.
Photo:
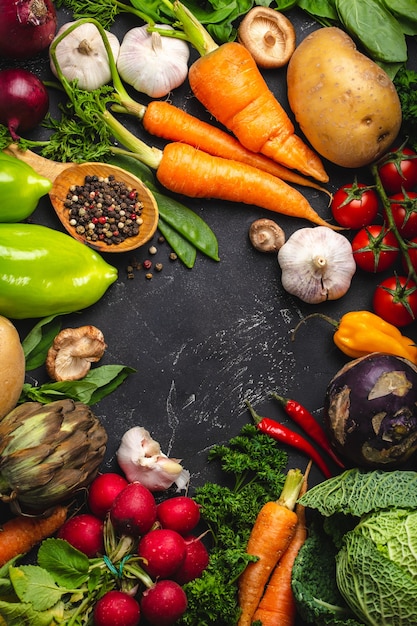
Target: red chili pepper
[
  {"x": 301, "y": 416},
  {"x": 284, "y": 435}
]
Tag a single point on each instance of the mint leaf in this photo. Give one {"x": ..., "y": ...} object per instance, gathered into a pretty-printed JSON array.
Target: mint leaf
[
  {"x": 38, "y": 341},
  {"x": 35, "y": 585},
  {"x": 68, "y": 566}
]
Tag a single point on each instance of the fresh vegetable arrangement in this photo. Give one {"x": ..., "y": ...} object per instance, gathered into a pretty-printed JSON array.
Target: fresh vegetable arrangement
[{"x": 208, "y": 586}]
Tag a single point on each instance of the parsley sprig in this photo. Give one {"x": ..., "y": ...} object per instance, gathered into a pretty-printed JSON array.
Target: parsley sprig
[{"x": 253, "y": 472}]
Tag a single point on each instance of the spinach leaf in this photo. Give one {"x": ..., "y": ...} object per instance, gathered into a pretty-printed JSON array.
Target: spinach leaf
[
  {"x": 406, "y": 13},
  {"x": 370, "y": 23},
  {"x": 320, "y": 9}
]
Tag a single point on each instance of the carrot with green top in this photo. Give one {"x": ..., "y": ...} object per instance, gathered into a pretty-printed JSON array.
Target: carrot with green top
[
  {"x": 277, "y": 606},
  {"x": 20, "y": 534},
  {"x": 270, "y": 537}
]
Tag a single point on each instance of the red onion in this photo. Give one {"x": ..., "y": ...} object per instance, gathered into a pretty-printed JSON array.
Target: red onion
[
  {"x": 26, "y": 27},
  {"x": 24, "y": 100}
]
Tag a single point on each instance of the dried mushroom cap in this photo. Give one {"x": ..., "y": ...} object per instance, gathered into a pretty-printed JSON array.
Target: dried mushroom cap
[
  {"x": 73, "y": 351},
  {"x": 268, "y": 35},
  {"x": 266, "y": 236}
]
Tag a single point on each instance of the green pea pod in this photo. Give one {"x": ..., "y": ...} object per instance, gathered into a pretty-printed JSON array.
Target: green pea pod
[
  {"x": 20, "y": 189},
  {"x": 46, "y": 272},
  {"x": 190, "y": 225},
  {"x": 184, "y": 250}
]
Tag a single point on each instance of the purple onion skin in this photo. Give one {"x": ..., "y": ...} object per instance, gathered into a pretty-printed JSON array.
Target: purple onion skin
[
  {"x": 370, "y": 411},
  {"x": 24, "y": 100},
  {"x": 27, "y": 27}
]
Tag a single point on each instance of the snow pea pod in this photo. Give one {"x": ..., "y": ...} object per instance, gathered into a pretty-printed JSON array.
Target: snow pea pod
[
  {"x": 46, "y": 272},
  {"x": 20, "y": 189},
  {"x": 184, "y": 250}
]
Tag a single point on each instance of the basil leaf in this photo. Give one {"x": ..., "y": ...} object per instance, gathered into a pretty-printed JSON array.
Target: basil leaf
[
  {"x": 369, "y": 22},
  {"x": 38, "y": 341},
  {"x": 97, "y": 384}
]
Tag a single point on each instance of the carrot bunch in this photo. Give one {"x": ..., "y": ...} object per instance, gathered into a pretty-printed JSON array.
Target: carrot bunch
[{"x": 279, "y": 531}]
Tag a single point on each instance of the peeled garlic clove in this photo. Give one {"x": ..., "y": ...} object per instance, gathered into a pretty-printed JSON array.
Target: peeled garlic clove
[
  {"x": 317, "y": 264},
  {"x": 141, "y": 460}
]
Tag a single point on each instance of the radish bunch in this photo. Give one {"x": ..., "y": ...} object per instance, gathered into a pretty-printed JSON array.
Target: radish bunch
[{"x": 159, "y": 537}]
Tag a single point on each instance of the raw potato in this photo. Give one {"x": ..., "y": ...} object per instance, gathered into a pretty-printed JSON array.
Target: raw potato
[
  {"x": 12, "y": 366},
  {"x": 345, "y": 104}
]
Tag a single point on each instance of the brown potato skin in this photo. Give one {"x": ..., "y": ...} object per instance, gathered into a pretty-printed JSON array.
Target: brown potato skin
[
  {"x": 12, "y": 366},
  {"x": 345, "y": 104}
]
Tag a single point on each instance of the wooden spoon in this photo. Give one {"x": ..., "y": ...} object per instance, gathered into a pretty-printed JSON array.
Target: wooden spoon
[{"x": 64, "y": 175}]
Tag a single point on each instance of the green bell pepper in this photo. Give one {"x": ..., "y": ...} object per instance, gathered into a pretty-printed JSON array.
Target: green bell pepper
[
  {"x": 20, "y": 189},
  {"x": 46, "y": 272}
]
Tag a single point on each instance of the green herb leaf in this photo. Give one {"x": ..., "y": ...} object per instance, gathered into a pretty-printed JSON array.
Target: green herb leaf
[
  {"x": 68, "y": 566},
  {"x": 36, "y": 586},
  {"x": 38, "y": 341},
  {"x": 96, "y": 385},
  {"x": 19, "y": 614}
]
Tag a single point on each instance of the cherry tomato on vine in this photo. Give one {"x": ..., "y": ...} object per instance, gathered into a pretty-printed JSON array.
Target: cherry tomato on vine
[
  {"x": 404, "y": 212},
  {"x": 375, "y": 248},
  {"x": 355, "y": 205},
  {"x": 399, "y": 170},
  {"x": 395, "y": 300}
]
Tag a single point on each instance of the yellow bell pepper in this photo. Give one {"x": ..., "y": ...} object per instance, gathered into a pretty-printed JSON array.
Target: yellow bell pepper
[{"x": 361, "y": 332}]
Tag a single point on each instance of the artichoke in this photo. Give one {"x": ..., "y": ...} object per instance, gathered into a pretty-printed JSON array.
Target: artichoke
[{"x": 48, "y": 452}]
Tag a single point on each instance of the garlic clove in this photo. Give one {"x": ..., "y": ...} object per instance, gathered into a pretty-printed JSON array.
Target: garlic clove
[
  {"x": 151, "y": 63},
  {"x": 317, "y": 264},
  {"x": 141, "y": 459}
]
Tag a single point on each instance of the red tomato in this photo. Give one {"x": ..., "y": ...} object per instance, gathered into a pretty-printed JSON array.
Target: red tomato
[
  {"x": 412, "y": 253},
  {"x": 355, "y": 205},
  {"x": 395, "y": 300},
  {"x": 398, "y": 171},
  {"x": 404, "y": 212},
  {"x": 374, "y": 248}
]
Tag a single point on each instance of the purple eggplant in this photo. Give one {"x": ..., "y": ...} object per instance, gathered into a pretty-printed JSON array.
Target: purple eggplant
[{"x": 370, "y": 411}]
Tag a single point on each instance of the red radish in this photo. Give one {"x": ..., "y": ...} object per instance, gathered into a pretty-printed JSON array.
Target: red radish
[
  {"x": 24, "y": 100},
  {"x": 164, "y": 551},
  {"x": 116, "y": 608},
  {"x": 103, "y": 491},
  {"x": 27, "y": 27},
  {"x": 84, "y": 532},
  {"x": 180, "y": 513},
  {"x": 195, "y": 562},
  {"x": 164, "y": 603},
  {"x": 133, "y": 511}
]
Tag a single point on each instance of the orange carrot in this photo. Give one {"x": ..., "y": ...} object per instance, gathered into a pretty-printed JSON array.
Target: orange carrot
[
  {"x": 270, "y": 537},
  {"x": 165, "y": 120},
  {"x": 277, "y": 606},
  {"x": 185, "y": 170},
  {"x": 229, "y": 84},
  {"x": 21, "y": 534}
]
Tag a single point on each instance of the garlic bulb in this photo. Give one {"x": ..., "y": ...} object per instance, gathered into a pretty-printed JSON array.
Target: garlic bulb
[
  {"x": 81, "y": 55},
  {"x": 151, "y": 63},
  {"x": 141, "y": 459},
  {"x": 317, "y": 264}
]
